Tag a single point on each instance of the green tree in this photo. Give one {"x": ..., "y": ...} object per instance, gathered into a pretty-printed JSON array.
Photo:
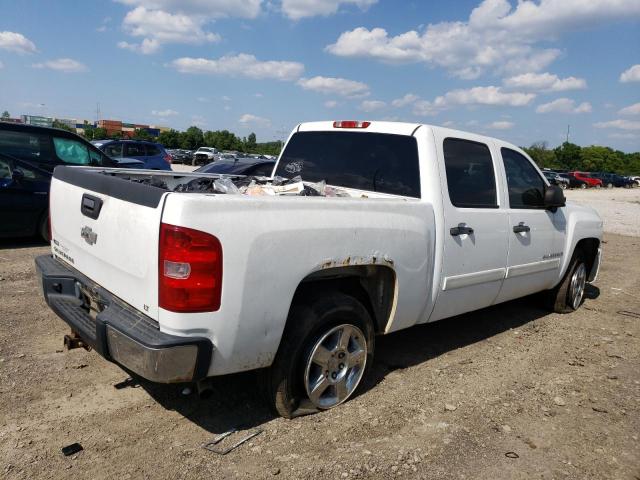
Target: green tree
[
  {"x": 169, "y": 138},
  {"x": 568, "y": 156},
  {"x": 142, "y": 134},
  {"x": 192, "y": 139},
  {"x": 541, "y": 154},
  {"x": 62, "y": 126},
  {"x": 100, "y": 134},
  {"x": 251, "y": 142},
  {"x": 6, "y": 114}
]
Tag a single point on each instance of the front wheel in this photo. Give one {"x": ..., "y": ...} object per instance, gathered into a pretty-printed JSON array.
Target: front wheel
[
  {"x": 325, "y": 352},
  {"x": 583, "y": 186},
  {"x": 569, "y": 294}
]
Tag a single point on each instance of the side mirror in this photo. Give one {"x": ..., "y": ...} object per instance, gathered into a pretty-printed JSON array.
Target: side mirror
[{"x": 554, "y": 197}]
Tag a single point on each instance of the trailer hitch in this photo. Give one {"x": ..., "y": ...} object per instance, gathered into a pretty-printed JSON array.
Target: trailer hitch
[{"x": 73, "y": 340}]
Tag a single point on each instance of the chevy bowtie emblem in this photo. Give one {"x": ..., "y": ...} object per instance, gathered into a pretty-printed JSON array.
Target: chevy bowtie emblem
[{"x": 89, "y": 235}]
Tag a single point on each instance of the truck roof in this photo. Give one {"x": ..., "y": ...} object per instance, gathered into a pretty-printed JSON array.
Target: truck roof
[{"x": 397, "y": 128}]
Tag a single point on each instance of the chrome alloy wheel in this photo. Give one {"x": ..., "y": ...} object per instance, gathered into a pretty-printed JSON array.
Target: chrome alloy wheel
[
  {"x": 335, "y": 366},
  {"x": 578, "y": 282}
]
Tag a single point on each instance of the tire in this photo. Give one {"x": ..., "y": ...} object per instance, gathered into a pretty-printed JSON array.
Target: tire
[
  {"x": 583, "y": 186},
  {"x": 43, "y": 227},
  {"x": 598, "y": 186},
  {"x": 609, "y": 185},
  {"x": 563, "y": 186},
  {"x": 307, "y": 337},
  {"x": 569, "y": 294}
]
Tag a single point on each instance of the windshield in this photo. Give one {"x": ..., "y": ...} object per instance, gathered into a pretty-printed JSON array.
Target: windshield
[{"x": 377, "y": 162}]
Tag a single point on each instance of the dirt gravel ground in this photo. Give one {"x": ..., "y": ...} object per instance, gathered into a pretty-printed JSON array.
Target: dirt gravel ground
[
  {"x": 510, "y": 392},
  {"x": 619, "y": 207}
]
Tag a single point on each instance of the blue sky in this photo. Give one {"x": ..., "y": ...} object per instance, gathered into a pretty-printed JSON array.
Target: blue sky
[{"x": 521, "y": 71}]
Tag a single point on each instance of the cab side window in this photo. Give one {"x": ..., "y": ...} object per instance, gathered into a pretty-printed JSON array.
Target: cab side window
[
  {"x": 114, "y": 150},
  {"x": 470, "y": 176},
  {"x": 135, "y": 150},
  {"x": 71, "y": 151},
  {"x": 152, "y": 150},
  {"x": 25, "y": 145},
  {"x": 526, "y": 187}
]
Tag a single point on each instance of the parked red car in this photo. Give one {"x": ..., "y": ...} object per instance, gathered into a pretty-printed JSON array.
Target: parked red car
[{"x": 585, "y": 177}]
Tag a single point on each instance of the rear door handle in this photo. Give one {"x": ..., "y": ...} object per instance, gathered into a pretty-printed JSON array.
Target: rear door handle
[
  {"x": 461, "y": 229},
  {"x": 521, "y": 228}
]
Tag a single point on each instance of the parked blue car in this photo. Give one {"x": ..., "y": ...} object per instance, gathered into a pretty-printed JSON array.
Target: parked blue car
[{"x": 153, "y": 155}]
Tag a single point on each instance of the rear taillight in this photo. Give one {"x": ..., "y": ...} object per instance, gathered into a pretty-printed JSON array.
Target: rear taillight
[
  {"x": 168, "y": 158},
  {"x": 189, "y": 270},
  {"x": 350, "y": 124}
]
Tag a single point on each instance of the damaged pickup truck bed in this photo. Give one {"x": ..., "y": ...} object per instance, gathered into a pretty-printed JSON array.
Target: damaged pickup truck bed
[{"x": 365, "y": 228}]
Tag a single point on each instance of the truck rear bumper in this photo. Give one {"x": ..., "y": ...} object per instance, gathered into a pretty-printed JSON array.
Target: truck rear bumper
[{"x": 117, "y": 331}]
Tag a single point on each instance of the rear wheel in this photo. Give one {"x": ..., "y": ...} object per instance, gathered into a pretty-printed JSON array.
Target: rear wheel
[
  {"x": 569, "y": 294},
  {"x": 326, "y": 351},
  {"x": 609, "y": 185},
  {"x": 583, "y": 185}
]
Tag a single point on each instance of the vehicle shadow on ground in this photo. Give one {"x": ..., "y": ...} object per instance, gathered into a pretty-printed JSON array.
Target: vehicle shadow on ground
[
  {"x": 23, "y": 242},
  {"x": 235, "y": 401}
]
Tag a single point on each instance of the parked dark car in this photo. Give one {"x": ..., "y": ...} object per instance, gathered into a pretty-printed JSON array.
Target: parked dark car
[
  {"x": 610, "y": 180},
  {"x": 240, "y": 166},
  {"x": 28, "y": 155},
  {"x": 153, "y": 155},
  {"x": 555, "y": 179},
  {"x": 573, "y": 181},
  {"x": 180, "y": 155}
]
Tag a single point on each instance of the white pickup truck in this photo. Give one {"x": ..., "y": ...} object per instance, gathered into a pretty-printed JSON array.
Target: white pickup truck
[{"x": 396, "y": 224}]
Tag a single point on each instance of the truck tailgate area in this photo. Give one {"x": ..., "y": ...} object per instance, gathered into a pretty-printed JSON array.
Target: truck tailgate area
[{"x": 109, "y": 228}]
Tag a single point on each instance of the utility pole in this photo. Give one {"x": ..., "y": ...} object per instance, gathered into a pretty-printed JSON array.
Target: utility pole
[
  {"x": 568, "y": 127},
  {"x": 97, "y": 112}
]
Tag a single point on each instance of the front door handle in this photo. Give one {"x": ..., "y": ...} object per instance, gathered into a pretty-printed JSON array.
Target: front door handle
[
  {"x": 461, "y": 229},
  {"x": 521, "y": 228}
]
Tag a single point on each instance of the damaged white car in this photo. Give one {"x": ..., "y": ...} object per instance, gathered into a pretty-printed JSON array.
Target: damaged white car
[{"x": 364, "y": 228}]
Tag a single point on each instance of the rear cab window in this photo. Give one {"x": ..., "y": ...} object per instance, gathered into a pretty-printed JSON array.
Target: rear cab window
[
  {"x": 134, "y": 150},
  {"x": 470, "y": 173},
  {"x": 376, "y": 162},
  {"x": 152, "y": 150}
]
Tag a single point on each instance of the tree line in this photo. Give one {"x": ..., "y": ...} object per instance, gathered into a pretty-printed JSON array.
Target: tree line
[{"x": 570, "y": 156}]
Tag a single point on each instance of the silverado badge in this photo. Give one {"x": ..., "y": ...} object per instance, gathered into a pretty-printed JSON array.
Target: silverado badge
[{"x": 89, "y": 235}]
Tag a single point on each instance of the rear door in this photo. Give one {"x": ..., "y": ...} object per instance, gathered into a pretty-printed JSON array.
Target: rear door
[
  {"x": 475, "y": 243},
  {"x": 108, "y": 229},
  {"x": 535, "y": 241}
]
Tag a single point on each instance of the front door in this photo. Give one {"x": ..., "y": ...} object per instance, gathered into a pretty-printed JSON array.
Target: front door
[
  {"x": 475, "y": 244},
  {"x": 535, "y": 246}
]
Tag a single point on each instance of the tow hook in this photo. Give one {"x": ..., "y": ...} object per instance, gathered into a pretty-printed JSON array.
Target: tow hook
[{"x": 73, "y": 340}]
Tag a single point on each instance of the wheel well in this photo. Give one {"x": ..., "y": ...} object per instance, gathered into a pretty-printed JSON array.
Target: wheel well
[
  {"x": 589, "y": 246},
  {"x": 372, "y": 285}
]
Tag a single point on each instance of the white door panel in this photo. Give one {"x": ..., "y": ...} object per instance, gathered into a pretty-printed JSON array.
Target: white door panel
[{"x": 476, "y": 236}]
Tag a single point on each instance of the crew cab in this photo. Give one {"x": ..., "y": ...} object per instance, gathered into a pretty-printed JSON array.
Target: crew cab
[{"x": 364, "y": 228}]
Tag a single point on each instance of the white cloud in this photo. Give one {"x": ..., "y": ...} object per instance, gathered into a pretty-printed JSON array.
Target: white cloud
[
  {"x": 297, "y": 9},
  {"x": 208, "y": 8},
  {"x": 631, "y": 110},
  {"x": 335, "y": 86},
  {"x": 408, "y": 99},
  {"x": 619, "y": 124},
  {"x": 632, "y": 74},
  {"x": 372, "y": 105},
  {"x": 146, "y": 47},
  {"x": 331, "y": 104},
  {"x": 249, "y": 119},
  {"x": 66, "y": 65},
  {"x": 16, "y": 42},
  {"x": 226, "y": 98},
  {"x": 497, "y": 36},
  {"x": 500, "y": 125},
  {"x": 164, "y": 113},
  {"x": 241, "y": 65},
  {"x": 448, "y": 124},
  {"x": 159, "y": 27},
  {"x": 490, "y": 96},
  {"x": 545, "y": 82},
  {"x": 258, "y": 95},
  {"x": 563, "y": 105},
  {"x": 624, "y": 136}
]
